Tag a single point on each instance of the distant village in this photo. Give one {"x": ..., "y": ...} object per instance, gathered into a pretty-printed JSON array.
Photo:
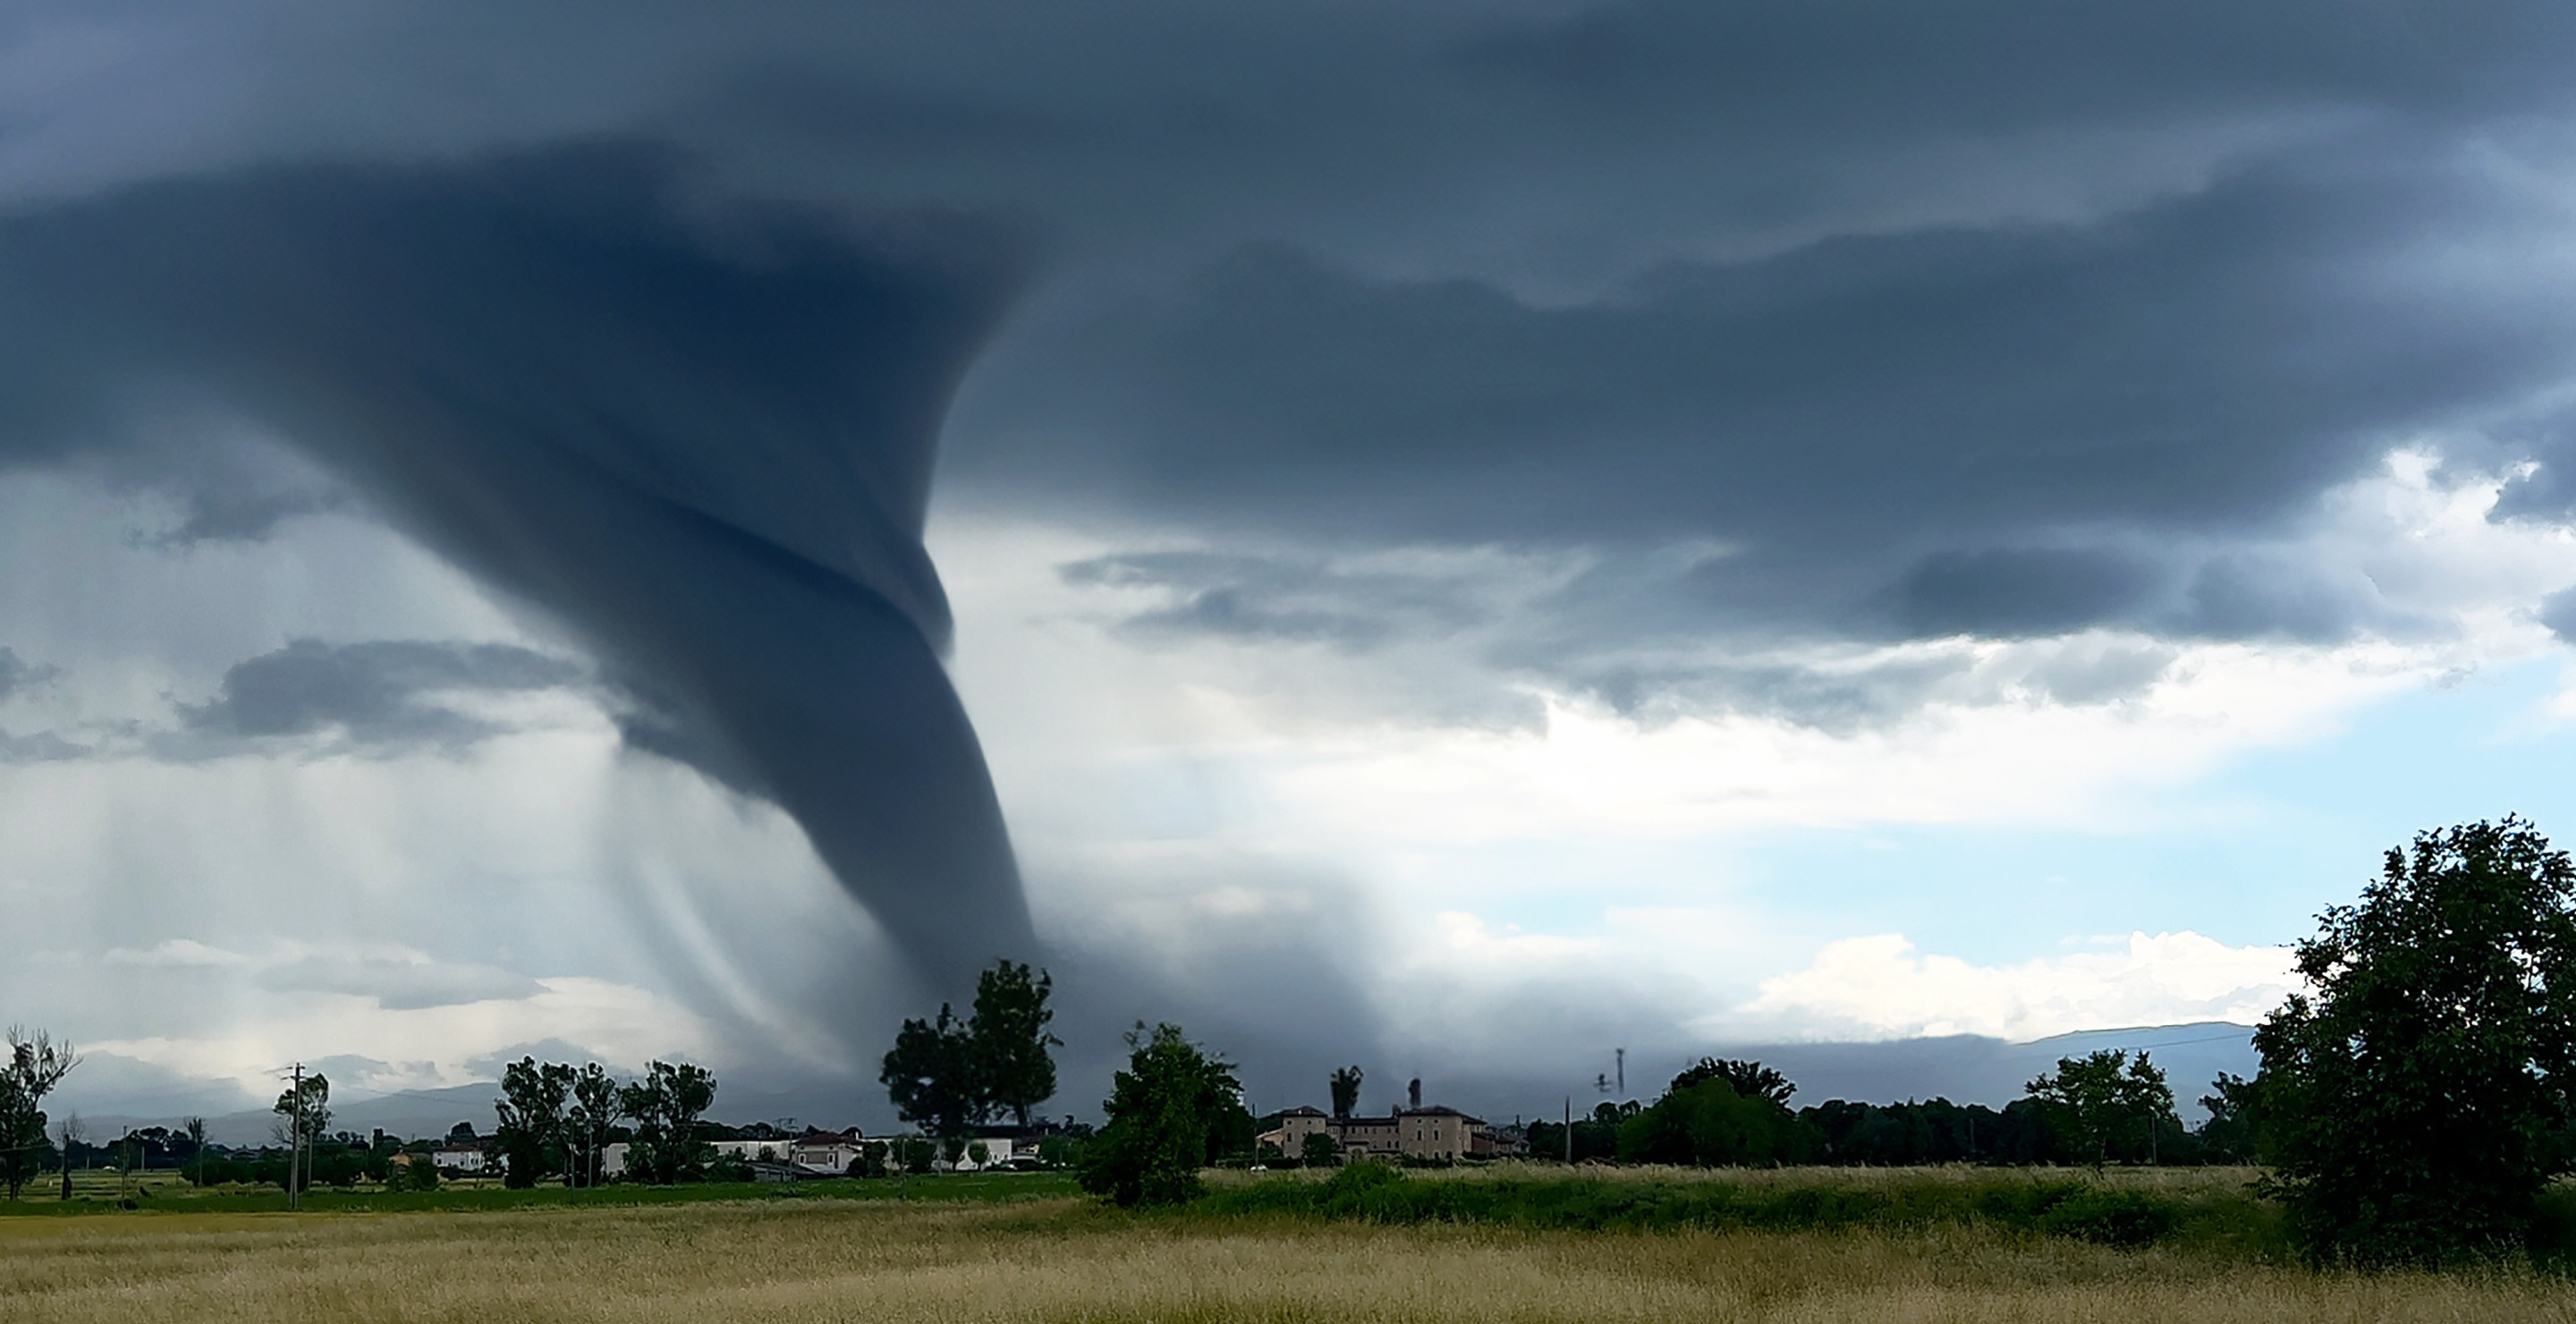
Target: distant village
[
  {"x": 763, "y": 1151},
  {"x": 968, "y": 1091}
]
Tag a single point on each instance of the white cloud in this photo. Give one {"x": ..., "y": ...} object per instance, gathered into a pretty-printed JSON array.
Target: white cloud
[
  {"x": 618, "y": 1023},
  {"x": 1878, "y": 987},
  {"x": 1275, "y": 745},
  {"x": 180, "y": 952}
]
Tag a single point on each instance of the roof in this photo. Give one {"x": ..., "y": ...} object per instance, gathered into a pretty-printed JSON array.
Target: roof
[
  {"x": 1303, "y": 1110},
  {"x": 1397, "y": 1117}
]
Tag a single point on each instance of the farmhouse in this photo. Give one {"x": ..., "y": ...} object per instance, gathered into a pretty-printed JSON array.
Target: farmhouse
[
  {"x": 825, "y": 1151},
  {"x": 1436, "y": 1132}
]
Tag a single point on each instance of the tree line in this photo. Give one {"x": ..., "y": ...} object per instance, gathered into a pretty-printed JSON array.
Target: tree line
[
  {"x": 556, "y": 1119},
  {"x": 2409, "y": 1109},
  {"x": 2103, "y": 1108}
]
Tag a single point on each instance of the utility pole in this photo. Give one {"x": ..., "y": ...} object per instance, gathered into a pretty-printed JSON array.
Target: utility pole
[
  {"x": 1569, "y": 1130},
  {"x": 295, "y": 1141}
]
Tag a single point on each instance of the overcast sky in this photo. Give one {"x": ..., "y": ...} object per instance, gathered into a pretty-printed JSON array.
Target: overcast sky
[{"x": 1468, "y": 534}]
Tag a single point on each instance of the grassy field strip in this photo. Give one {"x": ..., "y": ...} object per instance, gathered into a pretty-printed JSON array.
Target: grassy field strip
[
  {"x": 2158, "y": 1181},
  {"x": 165, "y": 1196},
  {"x": 1068, "y": 1260}
]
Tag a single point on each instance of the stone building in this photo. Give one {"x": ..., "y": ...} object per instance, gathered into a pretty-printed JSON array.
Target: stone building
[{"x": 1435, "y": 1132}]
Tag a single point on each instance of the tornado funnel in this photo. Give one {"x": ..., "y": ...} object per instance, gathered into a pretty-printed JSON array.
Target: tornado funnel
[{"x": 698, "y": 434}]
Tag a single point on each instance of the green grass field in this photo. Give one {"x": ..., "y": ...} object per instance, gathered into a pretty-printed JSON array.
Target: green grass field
[
  {"x": 101, "y": 1193},
  {"x": 1015, "y": 1247}
]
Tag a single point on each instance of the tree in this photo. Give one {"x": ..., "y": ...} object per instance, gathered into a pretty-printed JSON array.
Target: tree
[
  {"x": 35, "y": 1066},
  {"x": 2233, "y": 1128},
  {"x": 1595, "y": 1136},
  {"x": 666, "y": 1104},
  {"x": 1703, "y": 1120},
  {"x": 195, "y": 1129},
  {"x": 303, "y": 1111},
  {"x": 2407, "y": 1108},
  {"x": 1063, "y": 1149},
  {"x": 1345, "y": 1085},
  {"x": 531, "y": 1137},
  {"x": 421, "y": 1174},
  {"x": 930, "y": 1073},
  {"x": 2102, "y": 1098},
  {"x": 1008, "y": 1041},
  {"x": 1166, "y": 1113},
  {"x": 1751, "y": 1080},
  {"x": 1318, "y": 1150},
  {"x": 307, "y": 1105},
  {"x": 74, "y": 1132},
  {"x": 594, "y": 1109}
]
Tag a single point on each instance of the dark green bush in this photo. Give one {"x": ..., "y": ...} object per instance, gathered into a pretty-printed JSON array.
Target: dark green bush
[
  {"x": 2113, "y": 1218},
  {"x": 1377, "y": 1192}
]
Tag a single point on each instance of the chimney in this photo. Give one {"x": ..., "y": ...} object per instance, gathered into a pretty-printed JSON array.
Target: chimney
[{"x": 1413, "y": 1095}]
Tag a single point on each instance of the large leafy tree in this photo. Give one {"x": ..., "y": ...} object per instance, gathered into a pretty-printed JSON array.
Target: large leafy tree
[
  {"x": 2234, "y": 1126},
  {"x": 34, "y": 1067},
  {"x": 945, "y": 1073},
  {"x": 1170, "y": 1113},
  {"x": 594, "y": 1109},
  {"x": 1707, "y": 1118},
  {"x": 531, "y": 1137},
  {"x": 303, "y": 1111},
  {"x": 665, "y": 1104},
  {"x": 1008, "y": 1039},
  {"x": 1751, "y": 1080},
  {"x": 930, "y": 1074},
  {"x": 2104, "y": 1098},
  {"x": 2408, "y": 1107}
]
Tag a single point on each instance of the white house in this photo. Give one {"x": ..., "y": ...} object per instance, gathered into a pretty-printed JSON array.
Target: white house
[
  {"x": 816, "y": 1151},
  {"x": 826, "y": 1151}
]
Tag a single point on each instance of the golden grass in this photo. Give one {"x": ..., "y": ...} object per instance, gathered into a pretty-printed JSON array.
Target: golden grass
[{"x": 1066, "y": 1260}]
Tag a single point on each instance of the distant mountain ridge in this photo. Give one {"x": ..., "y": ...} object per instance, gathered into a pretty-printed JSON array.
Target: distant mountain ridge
[
  {"x": 1962, "y": 1068},
  {"x": 1977, "y": 1069}
]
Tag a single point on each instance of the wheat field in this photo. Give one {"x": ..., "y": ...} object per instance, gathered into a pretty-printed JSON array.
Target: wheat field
[{"x": 1065, "y": 1260}]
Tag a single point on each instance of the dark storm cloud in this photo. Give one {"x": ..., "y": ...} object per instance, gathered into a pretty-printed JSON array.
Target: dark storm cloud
[
  {"x": 16, "y": 673},
  {"x": 1879, "y": 422},
  {"x": 2558, "y": 612},
  {"x": 1258, "y": 598},
  {"x": 1881, "y": 293},
  {"x": 697, "y": 434},
  {"x": 1890, "y": 68},
  {"x": 39, "y": 747},
  {"x": 381, "y": 695},
  {"x": 2019, "y": 591},
  {"x": 1631, "y": 632}
]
